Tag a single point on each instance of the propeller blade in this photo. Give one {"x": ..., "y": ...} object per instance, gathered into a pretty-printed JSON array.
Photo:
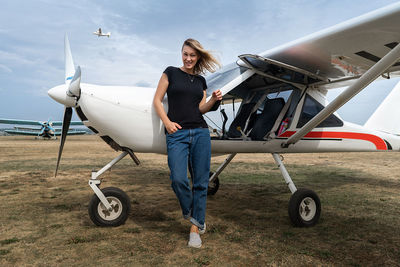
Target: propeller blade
[
  {"x": 75, "y": 85},
  {"x": 69, "y": 62},
  {"x": 65, "y": 127}
]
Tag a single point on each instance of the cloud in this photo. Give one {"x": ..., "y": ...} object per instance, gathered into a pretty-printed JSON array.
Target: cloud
[
  {"x": 122, "y": 59},
  {"x": 126, "y": 58},
  {"x": 4, "y": 68},
  {"x": 15, "y": 59},
  {"x": 146, "y": 36}
]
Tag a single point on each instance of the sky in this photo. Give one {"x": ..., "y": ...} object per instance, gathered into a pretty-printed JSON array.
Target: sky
[{"x": 146, "y": 37}]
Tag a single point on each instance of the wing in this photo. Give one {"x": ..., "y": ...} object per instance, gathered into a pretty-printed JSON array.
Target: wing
[
  {"x": 22, "y": 122},
  {"x": 331, "y": 58},
  {"x": 58, "y": 132},
  {"x": 335, "y": 56},
  {"x": 59, "y": 123},
  {"x": 76, "y": 132},
  {"x": 26, "y": 129},
  {"x": 21, "y": 132},
  {"x": 76, "y": 123}
]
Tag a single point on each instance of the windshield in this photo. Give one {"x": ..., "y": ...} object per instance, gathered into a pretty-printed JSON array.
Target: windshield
[{"x": 220, "y": 78}]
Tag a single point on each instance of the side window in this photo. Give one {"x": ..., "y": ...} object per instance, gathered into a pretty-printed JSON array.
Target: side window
[{"x": 311, "y": 108}]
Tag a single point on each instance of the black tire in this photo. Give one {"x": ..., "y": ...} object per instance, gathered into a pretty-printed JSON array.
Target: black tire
[
  {"x": 121, "y": 208},
  {"x": 304, "y": 208},
  {"x": 213, "y": 186}
]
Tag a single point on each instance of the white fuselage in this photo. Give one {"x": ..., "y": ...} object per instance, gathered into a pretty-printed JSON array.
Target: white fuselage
[{"x": 126, "y": 115}]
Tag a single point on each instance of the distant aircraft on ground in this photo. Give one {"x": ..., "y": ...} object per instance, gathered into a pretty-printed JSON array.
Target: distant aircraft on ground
[
  {"x": 46, "y": 129},
  {"x": 99, "y": 33},
  {"x": 283, "y": 108}
]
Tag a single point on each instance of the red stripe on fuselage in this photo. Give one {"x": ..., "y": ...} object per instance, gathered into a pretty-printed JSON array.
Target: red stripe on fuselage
[{"x": 377, "y": 141}]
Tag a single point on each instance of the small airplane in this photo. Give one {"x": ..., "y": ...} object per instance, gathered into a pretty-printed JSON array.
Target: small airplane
[
  {"x": 283, "y": 108},
  {"x": 99, "y": 33},
  {"x": 46, "y": 130}
]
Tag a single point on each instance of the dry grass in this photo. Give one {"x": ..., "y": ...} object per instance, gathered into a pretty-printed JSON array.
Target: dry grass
[{"x": 45, "y": 222}]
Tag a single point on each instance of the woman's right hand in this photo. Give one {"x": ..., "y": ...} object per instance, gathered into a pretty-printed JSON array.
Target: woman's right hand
[{"x": 172, "y": 127}]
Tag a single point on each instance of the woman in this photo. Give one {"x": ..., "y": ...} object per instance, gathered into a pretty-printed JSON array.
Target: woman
[{"x": 187, "y": 134}]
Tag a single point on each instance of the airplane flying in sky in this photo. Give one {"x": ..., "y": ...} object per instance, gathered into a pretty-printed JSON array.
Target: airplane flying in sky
[
  {"x": 283, "y": 107},
  {"x": 46, "y": 129},
  {"x": 100, "y": 33}
]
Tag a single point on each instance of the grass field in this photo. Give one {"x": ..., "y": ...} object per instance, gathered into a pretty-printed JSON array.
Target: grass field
[{"x": 45, "y": 221}]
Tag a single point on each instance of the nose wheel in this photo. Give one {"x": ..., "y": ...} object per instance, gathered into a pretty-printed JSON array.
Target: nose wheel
[
  {"x": 109, "y": 206},
  {"x": 117, "y": 213}
]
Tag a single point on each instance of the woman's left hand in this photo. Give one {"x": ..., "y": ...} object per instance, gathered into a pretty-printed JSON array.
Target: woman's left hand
[{"x": 217, "y": 95}]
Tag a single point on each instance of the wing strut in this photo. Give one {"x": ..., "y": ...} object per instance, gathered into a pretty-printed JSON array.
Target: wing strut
[{"x": 376, "y": 70}]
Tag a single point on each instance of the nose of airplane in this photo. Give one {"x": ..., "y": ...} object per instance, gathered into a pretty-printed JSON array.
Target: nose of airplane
[{"x": 59, "y": 94}]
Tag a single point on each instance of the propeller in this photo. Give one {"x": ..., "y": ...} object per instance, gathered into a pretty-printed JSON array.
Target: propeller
[
  {"x": 42, "y": 131},
  {"x": 65, "y": 127},
  {"x": 74, "y": 92},
  {"x": 69, "y": 97}
]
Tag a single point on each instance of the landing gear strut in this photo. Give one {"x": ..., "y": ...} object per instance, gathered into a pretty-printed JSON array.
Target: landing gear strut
[
  {"x": 213, "y": 182},
  {"x": 304, "y": 205},
  {"x": 109, "y": 206}
]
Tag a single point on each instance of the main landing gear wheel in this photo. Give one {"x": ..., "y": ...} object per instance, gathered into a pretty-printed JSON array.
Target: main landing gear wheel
[
  {"x": 213, "y": 186},
  {"x": 119, "y": 202},
  {"x": 304, "y": 208}
]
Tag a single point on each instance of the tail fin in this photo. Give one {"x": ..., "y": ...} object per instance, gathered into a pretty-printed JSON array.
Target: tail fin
[
  {"x": 69, "y": 62},
  {"x": 386, "y": 116}
]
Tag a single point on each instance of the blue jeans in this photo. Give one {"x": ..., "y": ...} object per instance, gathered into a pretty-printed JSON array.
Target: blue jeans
[{"x": 191, "y": 146}]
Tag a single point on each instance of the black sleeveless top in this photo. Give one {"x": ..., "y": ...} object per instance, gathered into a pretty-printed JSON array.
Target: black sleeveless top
[{"x": 185, "y": 92}]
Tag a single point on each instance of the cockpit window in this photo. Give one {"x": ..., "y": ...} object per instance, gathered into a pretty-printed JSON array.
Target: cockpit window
[
  {"x": 311, "y": 108},
  {"x": 220, "y": 78}
]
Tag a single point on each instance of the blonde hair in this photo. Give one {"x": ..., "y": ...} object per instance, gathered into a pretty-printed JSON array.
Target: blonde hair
[{"x": 206, "y": 61}]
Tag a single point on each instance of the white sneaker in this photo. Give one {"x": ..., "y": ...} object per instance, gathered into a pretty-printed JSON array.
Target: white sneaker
[
  {"x": 204, "y": 229},
  {"x": 194, "y": 240}
]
